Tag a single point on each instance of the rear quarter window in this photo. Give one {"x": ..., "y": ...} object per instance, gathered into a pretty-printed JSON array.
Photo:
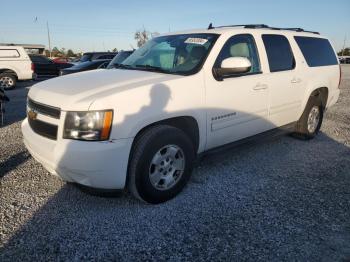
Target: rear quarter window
[
  {"x": 316, "y": 51},
  {"x": 8, "y": 53}
]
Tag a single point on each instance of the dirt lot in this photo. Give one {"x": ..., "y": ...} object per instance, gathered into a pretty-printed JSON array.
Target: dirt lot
[{"x": 283, "y": 199}]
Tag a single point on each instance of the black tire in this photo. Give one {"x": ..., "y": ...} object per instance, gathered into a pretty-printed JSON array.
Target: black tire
[
  {"x": 145, "y": 148},
  {"x": 301, "y": 129},
  {"x": 8, "y": 80}
]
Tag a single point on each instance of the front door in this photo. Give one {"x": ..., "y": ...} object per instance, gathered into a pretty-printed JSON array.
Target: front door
[{"x": 237, "y": 105}]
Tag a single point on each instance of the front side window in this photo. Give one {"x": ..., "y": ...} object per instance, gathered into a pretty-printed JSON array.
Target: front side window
[
  {"x": 240, "y": 46},
  {"x": 316, "y": 51},
  {"x": 173, "y": 54},
  {"x": 279, "y": 53}
]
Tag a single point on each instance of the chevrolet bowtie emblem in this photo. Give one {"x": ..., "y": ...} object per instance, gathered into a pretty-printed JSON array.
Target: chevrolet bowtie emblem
[{"x": 32, "y": 114}]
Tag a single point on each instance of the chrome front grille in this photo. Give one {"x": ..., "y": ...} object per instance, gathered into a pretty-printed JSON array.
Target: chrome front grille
[
  {"x": 39, "y": 126},
  {"x": 51, "y": 111}
]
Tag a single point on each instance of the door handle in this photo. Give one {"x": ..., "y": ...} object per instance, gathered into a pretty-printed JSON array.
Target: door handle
[
  {"x": 260, "y": 87},
  {"x": 295, "y": 80}
]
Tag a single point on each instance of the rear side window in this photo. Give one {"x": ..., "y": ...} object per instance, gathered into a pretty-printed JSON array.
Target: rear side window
[
  {"x": 9, "y": 53},
  {"x": 279, "y": 53},
  {"x": 316, "y": 51}
]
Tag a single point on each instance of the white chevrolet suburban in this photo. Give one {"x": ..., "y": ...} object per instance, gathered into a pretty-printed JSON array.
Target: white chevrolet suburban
[
  {"x": 15, "y": 64},
  {"x": 142, "y": 123}
]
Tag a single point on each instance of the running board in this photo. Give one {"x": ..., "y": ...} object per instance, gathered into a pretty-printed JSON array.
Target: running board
[{"x": 276, "y": 132}]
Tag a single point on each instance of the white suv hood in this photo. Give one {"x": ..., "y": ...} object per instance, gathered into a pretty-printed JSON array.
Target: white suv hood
[{"x": 77, "y": 91}]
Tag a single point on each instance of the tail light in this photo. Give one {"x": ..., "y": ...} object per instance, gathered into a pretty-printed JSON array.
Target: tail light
[
  {"x": 32, "y": 67},
  {"x": 339, "y": 76}
]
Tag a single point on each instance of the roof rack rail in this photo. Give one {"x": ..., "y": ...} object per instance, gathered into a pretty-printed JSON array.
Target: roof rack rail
[
  {"x": 260, "y": 26},
  {"x": 245, "y": 26},
  {"x": 297, "y": 29}
]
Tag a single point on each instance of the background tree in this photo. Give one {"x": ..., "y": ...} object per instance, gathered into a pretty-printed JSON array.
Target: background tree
[
  {"x": 70, "y": 53},
  {"x": 346, "y": 52},
  {"x": 142, "y": 37},
  {"x": 62, "y": 52},
  {"x": 114, "y": 49},
  {"x": 54, "y": 52}
]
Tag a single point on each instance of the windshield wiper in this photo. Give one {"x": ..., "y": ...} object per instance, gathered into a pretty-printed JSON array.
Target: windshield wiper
[
  {"x": 121, "y": 66},
  {"x": 152, "y": 68}
]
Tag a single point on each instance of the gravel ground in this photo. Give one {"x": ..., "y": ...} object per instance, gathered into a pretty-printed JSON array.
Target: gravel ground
[{"x": 282, "y": 199}]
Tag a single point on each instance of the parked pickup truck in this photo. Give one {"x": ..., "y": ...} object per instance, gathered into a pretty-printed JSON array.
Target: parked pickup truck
[
  {"x": 142, "y": 123},
  {"x": 15, "y": 65}
]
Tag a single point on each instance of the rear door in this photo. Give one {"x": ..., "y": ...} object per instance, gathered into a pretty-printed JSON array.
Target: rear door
[{"x": 284, "y": 79}]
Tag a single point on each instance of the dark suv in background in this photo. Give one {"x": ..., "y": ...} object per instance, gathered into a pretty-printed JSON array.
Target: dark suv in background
[
  {"x": 91, "y": 56},
  {"x": 45, "y": 67},
  {"x": 84, "y": 66}
]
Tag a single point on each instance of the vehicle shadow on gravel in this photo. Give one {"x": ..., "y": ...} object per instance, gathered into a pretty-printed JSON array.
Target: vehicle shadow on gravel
[{"x": 13, "y": 162}]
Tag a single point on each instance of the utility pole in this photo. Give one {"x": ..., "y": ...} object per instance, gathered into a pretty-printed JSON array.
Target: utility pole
[
  {"x": 48, "y": 37},
  {"x": 343, "y": 50}
]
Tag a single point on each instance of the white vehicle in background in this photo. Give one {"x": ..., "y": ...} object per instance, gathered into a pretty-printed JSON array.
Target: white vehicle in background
[
  {"x": 142, "y": 123},
  {"x": 15, "y": 65}
]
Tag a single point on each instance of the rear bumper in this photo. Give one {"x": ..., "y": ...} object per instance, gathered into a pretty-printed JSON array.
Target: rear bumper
[
  {"x": 95, "y": 164},
  {"x": 26, "y": 76}
]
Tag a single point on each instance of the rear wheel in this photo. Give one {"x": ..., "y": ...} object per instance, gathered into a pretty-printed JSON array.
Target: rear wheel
[
  {"x": 7, "y": 80},
  {"x": 161, "y": 164},
  {"x": 310, "y": 122}
]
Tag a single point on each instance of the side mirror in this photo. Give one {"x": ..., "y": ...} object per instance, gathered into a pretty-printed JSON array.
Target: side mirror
[{"x": 234, "y": 65}]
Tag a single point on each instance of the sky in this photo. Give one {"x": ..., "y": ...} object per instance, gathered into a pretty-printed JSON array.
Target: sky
[{"x": 84, "y": 25}]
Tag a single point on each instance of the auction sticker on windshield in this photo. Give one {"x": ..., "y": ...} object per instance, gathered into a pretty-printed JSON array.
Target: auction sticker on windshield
[{"x": 197, "y": 41}]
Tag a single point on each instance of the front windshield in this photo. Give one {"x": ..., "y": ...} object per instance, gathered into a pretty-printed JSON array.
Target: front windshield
[{"x": 173, "y": 54}]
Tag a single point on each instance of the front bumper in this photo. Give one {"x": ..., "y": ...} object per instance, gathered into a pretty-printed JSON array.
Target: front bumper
[{"x": 95, "y": 164}]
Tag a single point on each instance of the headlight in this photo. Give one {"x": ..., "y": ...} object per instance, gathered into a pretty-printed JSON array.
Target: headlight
[{"x": 90, "y": 125}]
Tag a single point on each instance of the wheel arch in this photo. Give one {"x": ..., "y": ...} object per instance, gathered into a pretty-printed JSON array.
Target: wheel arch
[
  {"x": 9, "y": 70},
  {"x": 188, "y": 124},
  {"x": 320, "y": 92}
]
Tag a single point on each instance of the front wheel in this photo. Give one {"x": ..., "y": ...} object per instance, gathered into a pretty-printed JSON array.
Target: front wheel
[
  {"x": 7, "y": 81},
  {"x": 310, "y": 122},
  {"x": 161, "y": 164}
]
